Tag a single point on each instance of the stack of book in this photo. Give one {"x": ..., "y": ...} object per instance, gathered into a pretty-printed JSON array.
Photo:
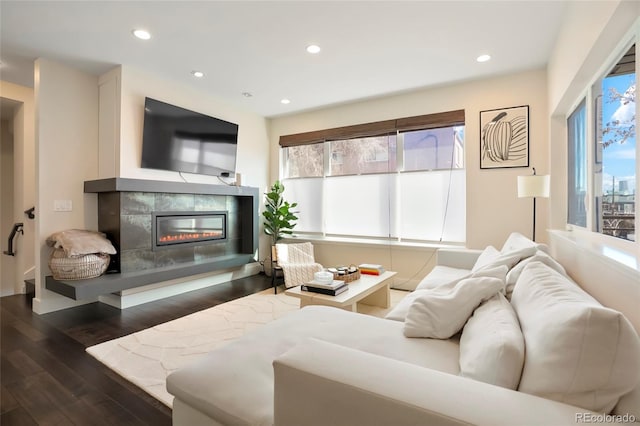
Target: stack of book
[
  {"x": 332, "y": 289},
  {"x": 371, "y": 269}
]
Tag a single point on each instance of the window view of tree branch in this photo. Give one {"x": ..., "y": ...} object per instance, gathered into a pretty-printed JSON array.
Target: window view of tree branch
[
  {"x": 618, "y": 155},
  {"x": 362, "y": 156},
  {"x": 305, "y": 161}
]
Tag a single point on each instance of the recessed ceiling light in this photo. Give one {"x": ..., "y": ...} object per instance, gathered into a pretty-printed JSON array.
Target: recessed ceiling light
[
  {"x": 483, "y": 58},
  {"x": 285, "y": 101},
  {"x": 142, "y": 34},
  {"x": 198, "y": 74},
  {"x": 313, "y": 49}
]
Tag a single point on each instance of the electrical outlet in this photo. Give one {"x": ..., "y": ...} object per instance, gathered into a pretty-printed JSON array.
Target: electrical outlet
[{"x": 62, "y": 205}]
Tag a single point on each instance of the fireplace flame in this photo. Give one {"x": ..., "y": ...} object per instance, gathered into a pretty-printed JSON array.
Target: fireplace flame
[{"x": 189, "y": 236}]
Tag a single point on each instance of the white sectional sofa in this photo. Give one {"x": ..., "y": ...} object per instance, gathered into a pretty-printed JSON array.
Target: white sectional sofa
[{"x": 568, "y": 360}]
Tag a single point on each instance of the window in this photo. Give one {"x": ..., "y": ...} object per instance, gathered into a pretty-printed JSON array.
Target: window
[
  {"x": 434, "y": 149},
  {"x": 363, "y": 155},
  {"x": 602, "y": 152},
  {"x": 577, "y": 190},
  {"x": 400, "y": 184},
  {"x": 304, "y": 161},
  {"x": 615, "y": 156}
]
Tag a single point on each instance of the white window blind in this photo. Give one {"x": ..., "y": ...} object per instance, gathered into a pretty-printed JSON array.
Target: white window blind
[
  {"x": 307, "y": 192},
  {"x": 425, "y": 198},
  {"x": 358, "y": 205}
]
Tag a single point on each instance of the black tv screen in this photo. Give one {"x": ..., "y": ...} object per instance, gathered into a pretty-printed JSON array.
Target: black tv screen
[{"x": 181, "y": 140}]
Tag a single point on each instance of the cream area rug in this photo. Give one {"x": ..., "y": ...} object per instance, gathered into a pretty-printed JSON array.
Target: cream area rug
[{"x": 147, "y": 357}]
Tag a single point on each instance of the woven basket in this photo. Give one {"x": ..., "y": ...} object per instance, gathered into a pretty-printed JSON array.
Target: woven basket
[
  {"x": 77, "y": 268},
  {"x": 347, "y": 277}
]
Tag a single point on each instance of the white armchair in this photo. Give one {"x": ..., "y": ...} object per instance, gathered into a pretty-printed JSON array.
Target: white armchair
[{"x": 297, "y": 262}]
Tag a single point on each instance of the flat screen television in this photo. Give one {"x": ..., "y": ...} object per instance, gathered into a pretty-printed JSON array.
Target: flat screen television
[{"x": 181, "y": 140}]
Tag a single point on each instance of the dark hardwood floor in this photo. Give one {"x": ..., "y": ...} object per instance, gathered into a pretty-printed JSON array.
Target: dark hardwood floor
[{"x": 47, "y": 378}]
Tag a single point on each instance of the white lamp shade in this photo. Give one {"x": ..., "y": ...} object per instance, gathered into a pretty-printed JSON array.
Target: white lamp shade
[{"x": 533, "y": 186}]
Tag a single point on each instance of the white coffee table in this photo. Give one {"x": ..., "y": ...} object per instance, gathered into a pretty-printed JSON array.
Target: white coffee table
[{"x": 369, "y": 290}]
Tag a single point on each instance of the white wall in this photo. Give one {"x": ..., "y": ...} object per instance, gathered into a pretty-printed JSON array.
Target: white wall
[
  {"x": 589, "y": 33},
  {"x": 73, "y": 146},
  {"x": 66, "y": 156},
  {"x": 23, "y": 178},
  {"x": 493, "y": 208},
  {"x": 253, "y": 143},
  {"x": 122, "y": 96}
]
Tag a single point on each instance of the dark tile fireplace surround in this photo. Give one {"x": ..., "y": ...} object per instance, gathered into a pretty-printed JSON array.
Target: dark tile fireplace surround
[
  {"x": 128, "y": 220},
  {"x": 127, "y": 211}
]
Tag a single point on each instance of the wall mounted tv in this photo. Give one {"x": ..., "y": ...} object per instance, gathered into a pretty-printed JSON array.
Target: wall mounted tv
[{"x": 181, "y": 140}]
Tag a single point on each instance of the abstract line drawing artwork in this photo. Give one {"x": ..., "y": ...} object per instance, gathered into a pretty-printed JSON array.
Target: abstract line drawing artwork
[{"x": 504, "y": 137}]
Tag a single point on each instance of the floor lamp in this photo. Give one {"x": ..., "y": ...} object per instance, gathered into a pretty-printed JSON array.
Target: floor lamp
[{"x": 533, "y": 186}]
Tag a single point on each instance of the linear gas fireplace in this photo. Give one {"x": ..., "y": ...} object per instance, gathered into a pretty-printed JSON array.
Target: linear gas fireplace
[{"x": 170, "y": 229}]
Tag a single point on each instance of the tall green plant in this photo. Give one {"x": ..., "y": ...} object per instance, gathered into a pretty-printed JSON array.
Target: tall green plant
[{"x": 278, "y": 214}]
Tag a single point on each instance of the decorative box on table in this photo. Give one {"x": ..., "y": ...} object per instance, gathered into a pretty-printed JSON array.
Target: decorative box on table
[{"x": 345, "y": 273}]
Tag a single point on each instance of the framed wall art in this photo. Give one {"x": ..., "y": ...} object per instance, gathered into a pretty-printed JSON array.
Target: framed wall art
[{"x": 504, "y": 137}]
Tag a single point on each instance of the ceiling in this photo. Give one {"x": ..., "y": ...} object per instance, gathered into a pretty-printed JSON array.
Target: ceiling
[{"x": 369, "y": 49}]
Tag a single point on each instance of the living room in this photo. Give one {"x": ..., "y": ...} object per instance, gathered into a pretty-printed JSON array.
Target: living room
[{"x": 88, "y": 127}]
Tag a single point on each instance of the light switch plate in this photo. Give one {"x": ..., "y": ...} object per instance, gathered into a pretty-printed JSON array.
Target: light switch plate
[{"x": 62, "y": 205}]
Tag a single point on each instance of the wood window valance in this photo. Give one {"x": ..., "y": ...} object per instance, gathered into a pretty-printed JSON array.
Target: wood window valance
[{"x": 419, "y": 122}]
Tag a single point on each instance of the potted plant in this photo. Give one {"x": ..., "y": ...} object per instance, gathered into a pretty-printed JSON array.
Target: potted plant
[
  {"x": 279, "y": 218},
  {"x": 278, "y": 214}
]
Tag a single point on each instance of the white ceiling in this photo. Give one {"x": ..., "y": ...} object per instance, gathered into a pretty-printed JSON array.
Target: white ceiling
[{"x": 369, "y": 49}]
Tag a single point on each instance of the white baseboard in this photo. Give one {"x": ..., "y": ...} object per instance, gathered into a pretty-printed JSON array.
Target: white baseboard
[
  {"x": 55, "y": 302},
  {"x": 150, "y": 293}
]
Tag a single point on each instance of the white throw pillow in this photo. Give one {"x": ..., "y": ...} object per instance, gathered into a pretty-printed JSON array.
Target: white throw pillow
[
  {"x": 441, "y": 312},
  {"x": 399, "y": 312},
  {"x": 540, "y": 256},
  {"x": 491, "y": 345},
  {"x": 577, "y": 351},
  {"x": 488, "y": 255},
  {"x": 510, "y": 259},
  {"x": 517, "y": 241}
]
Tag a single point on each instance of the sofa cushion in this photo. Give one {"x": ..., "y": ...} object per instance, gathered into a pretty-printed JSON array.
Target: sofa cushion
[
  {"x": 539, "y": 256},
  {"x": 441, "y": 312},
  {"x": 441, "y": 275},
  {"x": 517, "y": 241},
  {"x": 577, "y": 351},
  {"x": 510, "y": 259},
  {"x": 629, "y": 404},
  {"x": 488, "y": 255},
  {"x": 244, "y": 366},
  {"x": 399, "y": 312},
  {"x": 491, "y": 344}
]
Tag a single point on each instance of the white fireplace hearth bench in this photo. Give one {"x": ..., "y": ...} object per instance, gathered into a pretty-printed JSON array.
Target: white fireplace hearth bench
[
  {"x": 538, "y": 350},
  {"x": 130, "y": 213}
]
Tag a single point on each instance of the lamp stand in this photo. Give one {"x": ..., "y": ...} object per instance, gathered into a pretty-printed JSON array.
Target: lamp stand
[
  {"x": 533, "y": 186},
  {"x": 534, "y": 218}
]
